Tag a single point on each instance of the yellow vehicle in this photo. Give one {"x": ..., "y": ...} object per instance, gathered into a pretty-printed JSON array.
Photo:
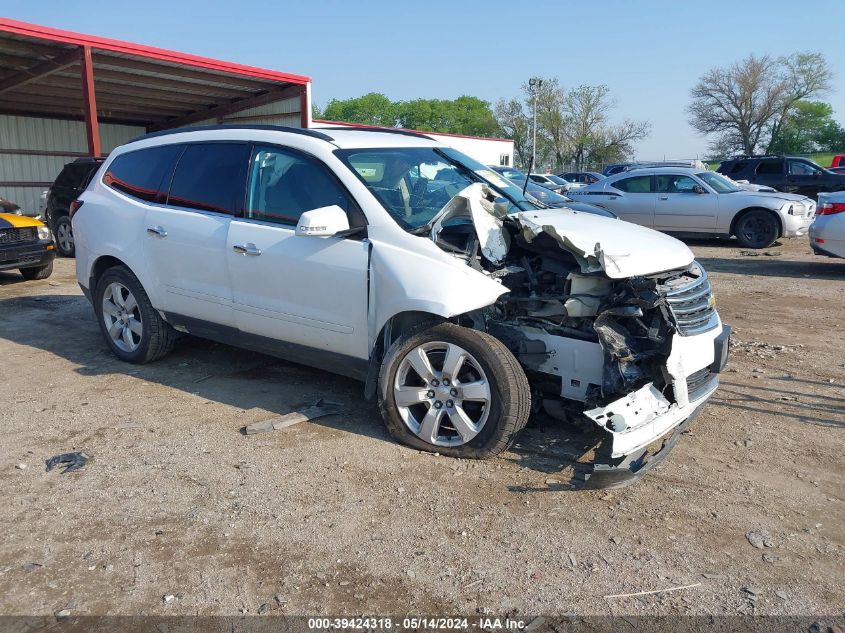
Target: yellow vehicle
[{"x": 26, "y": 244}]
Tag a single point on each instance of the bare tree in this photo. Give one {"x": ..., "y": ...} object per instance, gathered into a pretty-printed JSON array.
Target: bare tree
[
  {"x": 553, "y": 139},
  {"x": 743, "y": 103},
  {"x": 516, "y": 125}
]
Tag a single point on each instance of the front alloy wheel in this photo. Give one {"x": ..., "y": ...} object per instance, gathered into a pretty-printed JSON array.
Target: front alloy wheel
[
  {"x": 442, "y": 394},
  {"x": 454, "y": 390}
]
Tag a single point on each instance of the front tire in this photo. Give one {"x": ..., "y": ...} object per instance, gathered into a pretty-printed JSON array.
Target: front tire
[
  {"x": 757, "y": 229},
  {"x": 41, "y": 272},
  {"x": 133, "y": 329},
  {"x": 453, "y": 390},
  {"x": 63, "y": 231}
]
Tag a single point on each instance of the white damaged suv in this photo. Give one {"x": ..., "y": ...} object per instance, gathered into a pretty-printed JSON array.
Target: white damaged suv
[{"x": 389, "y": 257}]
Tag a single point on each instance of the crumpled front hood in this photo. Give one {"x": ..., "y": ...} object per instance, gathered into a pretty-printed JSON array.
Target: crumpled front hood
[{"x": 618, "y": 248}]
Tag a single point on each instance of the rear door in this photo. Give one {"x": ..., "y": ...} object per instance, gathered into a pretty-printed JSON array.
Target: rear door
[
  {"x": 307, "y": 291},
  {"x": 631, "y": 198},
  {"x": 770, "y": 172},
  {"x": 185, "y": 242},
  {"x": 680, "y": 207}
]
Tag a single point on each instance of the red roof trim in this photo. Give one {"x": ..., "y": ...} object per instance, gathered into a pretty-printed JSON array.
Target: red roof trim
[
  {"x": 36, "y": 31},
  {"x": 347, "y": 124}
]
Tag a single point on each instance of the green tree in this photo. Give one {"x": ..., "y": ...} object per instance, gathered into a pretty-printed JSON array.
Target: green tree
[
  {"x": 808, "y": 127},
  {"x": 464, "y": 115},
  {"x": 370, "y": 109}
]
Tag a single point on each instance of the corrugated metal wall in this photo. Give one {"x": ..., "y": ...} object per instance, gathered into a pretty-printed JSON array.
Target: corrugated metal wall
[
  {"x": 24, "y": 176},
  {"x": 279, "y": 113},
  {"x": 51, "y": 136}
]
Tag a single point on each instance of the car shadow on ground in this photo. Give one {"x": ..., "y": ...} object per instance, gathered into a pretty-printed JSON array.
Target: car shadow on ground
[
  {"x": 801, "y": 406},
  {"x": 64, "y": 325},
  {"x": 251, "y": 381}
]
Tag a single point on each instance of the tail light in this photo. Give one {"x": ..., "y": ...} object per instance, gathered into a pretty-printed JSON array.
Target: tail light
[
  {"x": 74, "y": 207},
  {"x": 831, "y": 208}
]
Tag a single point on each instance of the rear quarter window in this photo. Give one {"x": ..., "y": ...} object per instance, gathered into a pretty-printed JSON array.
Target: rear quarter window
[
  {"x": 635, "y": 184},
  {"x": 143, "y": 174}
]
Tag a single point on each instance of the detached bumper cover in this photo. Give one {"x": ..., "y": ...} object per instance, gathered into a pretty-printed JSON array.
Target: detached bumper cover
[
  {"x": 31, "y": 255},
  {"x": 644, "y": 417}
]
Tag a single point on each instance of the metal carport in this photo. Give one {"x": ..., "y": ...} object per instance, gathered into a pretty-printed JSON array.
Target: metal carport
[{"x": 117, "y": 90}]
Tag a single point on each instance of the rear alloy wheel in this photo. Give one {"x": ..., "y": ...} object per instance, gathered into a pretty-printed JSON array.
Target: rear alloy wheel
[
  {"x": 133, "y": 329},
  {"x": 64, "y": 236},
  {"x": 757, "y": 229},
  {"x": 453, "y": 390}
]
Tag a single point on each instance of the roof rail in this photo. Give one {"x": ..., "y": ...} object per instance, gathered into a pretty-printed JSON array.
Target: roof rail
[
  {"x": 373, "y": 128},
  {"x": 233, "y": 126}
]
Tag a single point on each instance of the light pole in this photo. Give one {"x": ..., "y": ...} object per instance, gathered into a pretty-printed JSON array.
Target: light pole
[{"x": 534, "y": 85}]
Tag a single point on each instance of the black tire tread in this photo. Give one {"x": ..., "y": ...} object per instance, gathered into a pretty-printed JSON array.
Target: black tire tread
[
  {"x": 748, "y": 212},
  {"x": 40, "y": 272},
  {"x": 510, "y": 383}
]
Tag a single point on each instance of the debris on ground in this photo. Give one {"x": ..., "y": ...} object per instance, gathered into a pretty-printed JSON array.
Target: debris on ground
[
  {"x": 320, "y": 409},
  {"x": 647, "y": 593},
  {"x": 21, "y": 466},
  {"x": 74, "y": 461},
  {"x": 759, "y": 538}
]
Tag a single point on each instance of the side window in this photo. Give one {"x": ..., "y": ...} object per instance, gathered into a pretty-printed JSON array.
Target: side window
[
  {"x": 675, "y": 183},
  {"x": 636, "y": 184},
  {"x": 210, "y": 177},
  {"x": 738, "y": 167},
  {"x": 284, "y": 184},
  {"x": 144, "y": 173},
  {"x": 802, "y": 168},
  {"x": 769, "y": 167}
]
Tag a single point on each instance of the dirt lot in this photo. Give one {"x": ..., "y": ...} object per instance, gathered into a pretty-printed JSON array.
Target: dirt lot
[{"x": 332, "y": 517}]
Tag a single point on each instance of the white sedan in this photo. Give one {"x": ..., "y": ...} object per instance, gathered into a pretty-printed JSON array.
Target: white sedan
[{"x": 827, "y": 232}]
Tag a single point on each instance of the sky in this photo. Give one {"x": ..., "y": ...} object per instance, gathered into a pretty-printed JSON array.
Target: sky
[{"x": 648, "y": 52}]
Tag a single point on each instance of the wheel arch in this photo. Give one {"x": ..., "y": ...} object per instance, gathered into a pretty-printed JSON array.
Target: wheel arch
[
  {"x": 738, "y": 216},
  {"x": 100, "y": 266},
  {"x": 393, "y": 328}
]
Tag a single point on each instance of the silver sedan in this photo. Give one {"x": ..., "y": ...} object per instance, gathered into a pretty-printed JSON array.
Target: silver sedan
[{"x": 692, "y": 202}]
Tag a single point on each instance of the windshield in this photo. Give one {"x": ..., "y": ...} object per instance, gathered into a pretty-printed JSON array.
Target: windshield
[
  {"x": 718, "y": 182},
  {"x": 511, "y": 174},
  {"x": 558, "y": 180},
  {"x": 414, "y": 183}
]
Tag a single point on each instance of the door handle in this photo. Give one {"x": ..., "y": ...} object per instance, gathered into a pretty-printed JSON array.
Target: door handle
[
  {"x": 157, "y": 230},
  {"x": 664, "y": 197},
  {"x": 247, "y": 249}
]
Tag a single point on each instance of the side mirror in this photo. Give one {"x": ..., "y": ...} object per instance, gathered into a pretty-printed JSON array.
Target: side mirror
[{"x": 322, "y": 222}]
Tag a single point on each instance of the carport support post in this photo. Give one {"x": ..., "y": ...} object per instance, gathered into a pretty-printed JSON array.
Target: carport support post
[{"x": 89, "y": 101}]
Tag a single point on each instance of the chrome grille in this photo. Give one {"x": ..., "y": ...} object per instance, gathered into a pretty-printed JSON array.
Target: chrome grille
[
  {"x": 13, "y": 236},
  {"x": 691, "y": 305}
]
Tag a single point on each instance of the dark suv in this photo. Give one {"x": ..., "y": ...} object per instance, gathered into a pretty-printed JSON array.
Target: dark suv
[
  {"x": 70, "y": 182},
  {"x": 790, "y": 174}
]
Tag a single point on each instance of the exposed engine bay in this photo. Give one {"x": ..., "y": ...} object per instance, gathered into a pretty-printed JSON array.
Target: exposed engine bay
[{"x": 593, "y": 340}]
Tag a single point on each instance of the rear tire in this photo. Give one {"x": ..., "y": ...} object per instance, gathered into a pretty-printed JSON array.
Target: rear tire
[
  {"x": 757, "y": 229},
  {"x": 473, "y": 401},
  {"x": 42, "y": 272},
  {"x": 63, "y": 232},
  {"x": 133, "y": 329}
]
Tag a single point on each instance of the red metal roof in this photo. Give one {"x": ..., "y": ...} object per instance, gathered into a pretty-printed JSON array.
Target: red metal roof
[{"x": 37, "y": 31}]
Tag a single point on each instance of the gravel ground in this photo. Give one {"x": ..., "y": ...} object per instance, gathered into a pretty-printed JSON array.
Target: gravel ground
[{"x": 332, "y": 517}]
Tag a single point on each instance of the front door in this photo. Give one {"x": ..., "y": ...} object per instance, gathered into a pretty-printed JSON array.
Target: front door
[
  {"x": 803, "y": 178},
  {"x": 681, "y": 207},
  {"x": 307, "y": 291}
]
